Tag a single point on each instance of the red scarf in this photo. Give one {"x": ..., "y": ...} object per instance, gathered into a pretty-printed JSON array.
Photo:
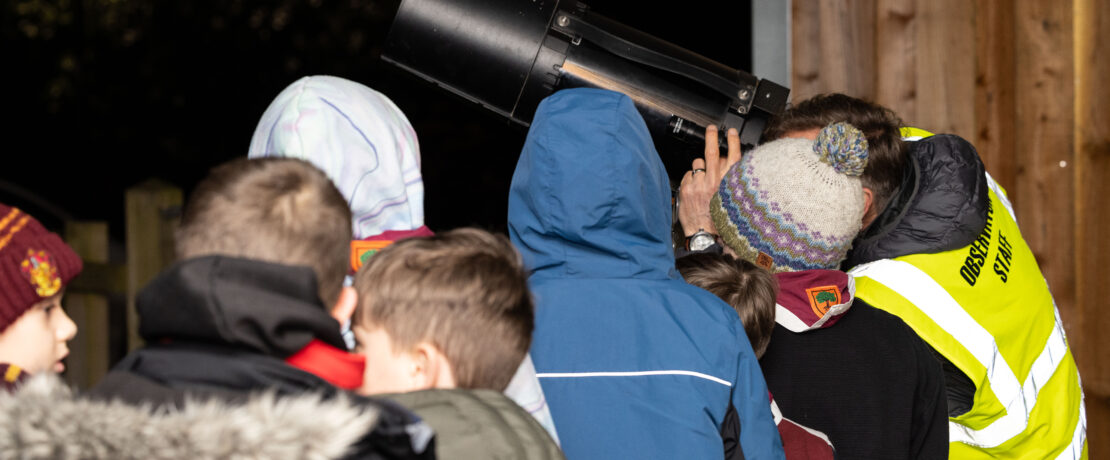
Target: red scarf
[{"x": 342, "y": 369}]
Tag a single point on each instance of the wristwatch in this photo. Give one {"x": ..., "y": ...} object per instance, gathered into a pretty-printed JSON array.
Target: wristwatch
[{"x": 700, "y": 240}]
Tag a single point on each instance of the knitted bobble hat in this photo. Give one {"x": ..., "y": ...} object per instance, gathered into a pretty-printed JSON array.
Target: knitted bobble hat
[
  {"x": 34, "y": 264},
  {"x": 795, "y": 204}
]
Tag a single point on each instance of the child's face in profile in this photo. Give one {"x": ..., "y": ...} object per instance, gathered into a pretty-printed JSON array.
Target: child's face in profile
[
  {"x": 36, "y": 342},
  {"x": 387, "y": 370}
]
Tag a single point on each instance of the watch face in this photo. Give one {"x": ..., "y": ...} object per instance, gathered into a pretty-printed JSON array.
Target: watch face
[{"x": 701, "y": 241}]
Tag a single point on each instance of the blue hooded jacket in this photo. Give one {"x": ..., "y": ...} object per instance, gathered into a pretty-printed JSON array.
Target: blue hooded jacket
[{"x": 635, "y": 362}]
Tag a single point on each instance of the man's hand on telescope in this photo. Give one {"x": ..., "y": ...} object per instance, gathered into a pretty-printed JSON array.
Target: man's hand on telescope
[{"x": 701, "y": 182}]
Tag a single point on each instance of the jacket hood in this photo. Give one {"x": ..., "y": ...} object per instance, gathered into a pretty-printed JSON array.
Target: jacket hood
[
  {"x": 590, "y": 197},
  {"x": 262, "y": 307},
  {"x": 813, "y": 299},
  {"x": 44, "y": 420},
  {"x": 359, "y": 138},
  {"x": 942, "y": 204}
]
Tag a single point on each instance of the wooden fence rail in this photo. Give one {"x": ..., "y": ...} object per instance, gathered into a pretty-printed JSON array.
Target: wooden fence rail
[{"x": 152, "y": 213}]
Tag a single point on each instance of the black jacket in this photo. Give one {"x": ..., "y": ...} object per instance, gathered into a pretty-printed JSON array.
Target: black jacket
[
  {"x": 221, "y": 327},
  {"x": 940, "y": 206},
  {"x": 869, "y": 383}
]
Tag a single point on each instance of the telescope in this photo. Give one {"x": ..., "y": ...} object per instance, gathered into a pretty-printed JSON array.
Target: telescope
[{"x": 507, "y": 55}]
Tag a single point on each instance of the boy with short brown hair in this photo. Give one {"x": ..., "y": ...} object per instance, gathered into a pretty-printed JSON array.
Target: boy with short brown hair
[
  {"x": 283, "y": 211},
  {"x": 748, "y": 289},
  {"x": 451, "y": 310},
  {"x": 752, "y": 292},
  {"x": 444, "y": 321}
]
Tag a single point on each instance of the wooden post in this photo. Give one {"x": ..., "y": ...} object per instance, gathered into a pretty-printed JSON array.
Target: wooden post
[
  {"x": 832, "y": 48},
  {"x": 1044, "y": 140},
  {"x": 895, "y": 57},
  {"x": 1089, "y": 340},
  {"x": 153, "y": 210},
  {"x": 994, "y": 91},
  {"x": 89, "y": 351},
  {"x": 945, "y": 65}
]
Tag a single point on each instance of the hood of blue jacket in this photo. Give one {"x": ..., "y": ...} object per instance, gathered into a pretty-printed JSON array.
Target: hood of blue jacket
[{"x": 590, "y": 197}]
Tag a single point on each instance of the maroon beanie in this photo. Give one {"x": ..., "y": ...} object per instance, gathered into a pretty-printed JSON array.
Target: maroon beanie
[{"x": 34, "y": 264}]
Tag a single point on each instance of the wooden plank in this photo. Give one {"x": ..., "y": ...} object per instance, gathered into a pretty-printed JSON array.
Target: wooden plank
[
  {"x": 1091, "y": 344},
  {"x": 1044, "y": 143},
  {"x": 88, "y": 360},
  {"x": 100, "y": 278},
  {"x": 848, "y": 47},
  {"x": 994, "y": 91},
  {"x": 153, "y": 210},
  {"x": 833, "y": 48},
  {"x": 895, "y": 57},
  {"x": 805, "y": 49},
  {"x": 945, "y": 67}
]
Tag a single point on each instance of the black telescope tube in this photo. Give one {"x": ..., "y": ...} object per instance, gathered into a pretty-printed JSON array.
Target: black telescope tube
[{"x": 507, "y": 55}]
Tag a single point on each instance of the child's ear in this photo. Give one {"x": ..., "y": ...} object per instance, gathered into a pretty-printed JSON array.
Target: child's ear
[
  {"x": 432, "y": 368},
  {"x": 345, "y": 305}
]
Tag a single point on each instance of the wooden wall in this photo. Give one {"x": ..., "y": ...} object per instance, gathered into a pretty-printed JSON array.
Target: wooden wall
[{"x": 1026, "y": 82}]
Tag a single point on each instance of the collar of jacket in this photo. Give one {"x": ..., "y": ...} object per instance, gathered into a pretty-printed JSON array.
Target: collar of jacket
[
  {"x": 12, "y": 376},
  {"x": 941, "y": 204},
  {"x": 340, "y": 368},
  {"x": 250, "y": 305}
]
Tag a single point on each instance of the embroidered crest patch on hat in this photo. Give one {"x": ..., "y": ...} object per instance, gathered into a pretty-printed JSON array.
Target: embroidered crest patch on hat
[{"x": 41, "y": 272}]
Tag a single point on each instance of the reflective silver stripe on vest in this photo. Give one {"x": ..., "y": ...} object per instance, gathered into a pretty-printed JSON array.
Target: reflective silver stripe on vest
[
  {"x": 1001, "y": 196},
  {"x": 1074, "y": 451},
  {"x": 1018, "y": 399}
]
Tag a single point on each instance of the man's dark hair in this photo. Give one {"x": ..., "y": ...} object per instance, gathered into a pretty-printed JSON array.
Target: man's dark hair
[{"x": 887, "y": 152}]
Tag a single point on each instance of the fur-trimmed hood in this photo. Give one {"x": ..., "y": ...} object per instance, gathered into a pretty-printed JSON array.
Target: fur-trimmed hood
[{"x": 44, "y": 419}]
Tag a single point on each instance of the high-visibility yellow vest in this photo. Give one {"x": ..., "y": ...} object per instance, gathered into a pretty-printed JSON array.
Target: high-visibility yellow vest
[{"x": 987, "y": 309}]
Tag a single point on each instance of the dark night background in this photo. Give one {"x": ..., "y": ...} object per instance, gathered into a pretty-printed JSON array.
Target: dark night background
[{"x": 103, "y": 94}]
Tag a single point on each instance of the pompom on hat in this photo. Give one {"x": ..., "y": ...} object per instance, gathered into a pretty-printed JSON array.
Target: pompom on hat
[
  {"x": 795, "y": 204},
  {"x": 35, "y": 264}
]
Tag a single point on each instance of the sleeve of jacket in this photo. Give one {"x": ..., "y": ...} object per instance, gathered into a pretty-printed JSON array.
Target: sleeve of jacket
[
  {"x": 930, "y": 413},
  {"x": 759, "y": 437}
]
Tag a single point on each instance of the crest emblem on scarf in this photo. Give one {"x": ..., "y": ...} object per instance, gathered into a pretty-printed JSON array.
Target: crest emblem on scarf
[
  {"x": 822, "y": 298},
  {"x": 41, "y": 272},
  {"x": 362, "y": 251}
]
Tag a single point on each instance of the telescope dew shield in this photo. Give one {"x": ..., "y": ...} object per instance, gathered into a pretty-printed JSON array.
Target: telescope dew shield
[
  {"x": 481, "y": 50},
  {"x": 507, "y": 55}
]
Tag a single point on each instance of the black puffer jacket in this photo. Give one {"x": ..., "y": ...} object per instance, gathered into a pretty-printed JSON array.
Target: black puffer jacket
[
  {"x": 221, "y": 327},
  {"x": 940, "y": 206}
]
